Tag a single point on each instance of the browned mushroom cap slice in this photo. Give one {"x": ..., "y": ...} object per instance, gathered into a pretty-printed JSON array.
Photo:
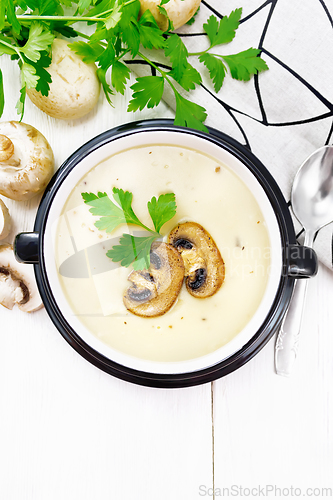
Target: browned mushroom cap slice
[
  {"x": 154, "y": 291},
  {"x": 204, "y": 266}
]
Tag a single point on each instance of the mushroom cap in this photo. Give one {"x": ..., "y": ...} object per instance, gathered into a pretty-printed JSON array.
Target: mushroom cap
[
  {"x": 17, "y": 283},
  {"x": 74, "y": 90},
  {"x": 29, "y": 169},
  {"x": 179, "y": 11},
  {"x": 204, "y": 266},
  {"x": 154, "y": 291},
  {"x": 5, "y": 221}
]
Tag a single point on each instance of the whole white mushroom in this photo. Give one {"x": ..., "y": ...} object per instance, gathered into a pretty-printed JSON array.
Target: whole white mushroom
[
  {"x": 26, "y": 161},
  {"x": 179, "y": 11},
  {"x": 74, "y": 90}
]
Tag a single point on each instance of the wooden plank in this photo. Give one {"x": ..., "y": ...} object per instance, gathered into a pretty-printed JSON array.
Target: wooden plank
[
  {"x": 271, "y": 430},
  {"x": 67, "y": 429}
]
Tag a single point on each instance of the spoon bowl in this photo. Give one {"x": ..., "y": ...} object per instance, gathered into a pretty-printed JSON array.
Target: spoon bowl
[{"x": 312, "y": 192}]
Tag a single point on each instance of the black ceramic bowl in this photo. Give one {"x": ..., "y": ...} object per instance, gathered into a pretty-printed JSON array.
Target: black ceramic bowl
[{"x": 289, "y": 259}]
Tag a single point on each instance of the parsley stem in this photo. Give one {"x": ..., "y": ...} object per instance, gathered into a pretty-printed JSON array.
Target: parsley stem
[
  {"x": 58, "y": 18},
  {"x": 13, "y": 47},
  {"x": 96, "y": 18},
  {"x": 192, "y": 54},
  {"x": 163, "y": 73}
]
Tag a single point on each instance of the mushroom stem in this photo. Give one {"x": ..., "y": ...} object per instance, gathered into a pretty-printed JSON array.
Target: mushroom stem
[{"x": 6, "y": 148}]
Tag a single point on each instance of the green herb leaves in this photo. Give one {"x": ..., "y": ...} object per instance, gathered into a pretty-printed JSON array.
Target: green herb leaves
[
  {"x": 162, "y": 210},
  {"x": 131, "y": 249},
  {"x": 28, "y": 28},
  {"x": 242, "y": 65},
  {"x": 148, "y": 92},
  {"x": 223, "y": 31},
  {"x": 38, "y": 41}
]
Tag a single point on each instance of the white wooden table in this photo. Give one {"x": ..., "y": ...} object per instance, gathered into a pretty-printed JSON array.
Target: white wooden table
[{"x": 69, "y": 431}]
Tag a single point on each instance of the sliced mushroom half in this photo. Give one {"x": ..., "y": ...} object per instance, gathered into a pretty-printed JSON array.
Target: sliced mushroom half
[
  {"x": 204, "y": 266},
  {"x": 17, "y": 283},
  {"x": 5, "y": 221},
  {"x": 154, "y": 291},
  {"x": 26, "y": 161}
]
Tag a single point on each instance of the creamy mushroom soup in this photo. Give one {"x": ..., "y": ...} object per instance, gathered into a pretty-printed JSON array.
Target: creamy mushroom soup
[{"x": 208, "y": 193}]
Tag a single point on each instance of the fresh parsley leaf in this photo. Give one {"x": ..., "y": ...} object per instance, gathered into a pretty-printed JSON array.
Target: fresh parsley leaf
[
  {"x": 38, "y": 41},
  {"x": 2, "y": 100},
  {"x": 2, "y": 15},
  {"x": 162, "y": 210},
  {"x": 20, "y": 103},
  {"x": 29, "y": 77},
  {"x": 101, "y": 75},
  {"x": 45, "y": 7},
  {"x": 83, "y": 5},
  {"x": 223, "y": 32},
  {"x": 189, "y": 114},
  {"x": 66, "y": 31},
  {"x": 113, "y": 19},
  {"x": 132, "y": 250},
  {"x": 108, "y": 55},
  {"x": 119, "y": 76},
  {"x": 189, "y": 79},
  {"x": 44, "y": 76},
  {"x": 150, "y": 34},
  {"x": 128, "y": 27},
  {"x": 216, "y": 69},
  {"x": 177, "y": 53},
  {"x": 112, "y": 215},
  {"x": 148, "y": 91},
  {"x": 89, "y": 52},
  {"x": 4, "y": 49},
  {"x": 9, "y": 9},
  {"x": 124, "y": 200},
  {"x": 245, "y": 64}
]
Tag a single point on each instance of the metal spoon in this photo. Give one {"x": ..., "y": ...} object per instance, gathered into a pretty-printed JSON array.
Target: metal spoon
[{"x": 312, "y": 204}]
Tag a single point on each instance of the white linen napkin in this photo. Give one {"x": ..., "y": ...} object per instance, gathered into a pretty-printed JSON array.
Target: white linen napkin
[{"x": 283, "y": 114}]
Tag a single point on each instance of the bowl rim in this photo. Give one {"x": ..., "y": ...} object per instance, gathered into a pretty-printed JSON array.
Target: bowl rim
[{"x": 278, "y": 307}]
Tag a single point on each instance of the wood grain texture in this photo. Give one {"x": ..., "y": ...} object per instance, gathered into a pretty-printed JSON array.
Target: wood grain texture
[
  {"x": 70, "y": 431},
  {"x": 272, "y": 430},
  {"x": 67, "y": 429}
]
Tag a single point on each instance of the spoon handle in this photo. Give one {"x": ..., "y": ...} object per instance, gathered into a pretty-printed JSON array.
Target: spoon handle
[{"x": 286, "y": 347}]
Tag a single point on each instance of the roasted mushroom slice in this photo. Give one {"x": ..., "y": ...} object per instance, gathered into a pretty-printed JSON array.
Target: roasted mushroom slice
[
  {"x": 204, "y": 266},
  {"x": 155, "y": 290},
  {"x": 17, "y": 283}
]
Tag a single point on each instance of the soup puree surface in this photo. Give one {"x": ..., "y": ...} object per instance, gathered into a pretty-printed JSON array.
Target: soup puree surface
[{"x": 207, "y": 193}]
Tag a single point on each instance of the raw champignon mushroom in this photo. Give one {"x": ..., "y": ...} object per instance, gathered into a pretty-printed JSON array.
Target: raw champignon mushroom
[
  {"x": 204, "y": 266},
  {"x": 26, "y": 161},
  {"x": 74, "y": 90},
  {"x": 179, "y": 11},
  {"x": 5, "y": 222},
  {"x": 155, "y": 290},
  {"x": 17, "y": 283}
]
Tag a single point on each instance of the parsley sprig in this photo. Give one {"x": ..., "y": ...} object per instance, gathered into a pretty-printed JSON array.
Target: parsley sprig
[
  {"x": 28, "y": 28},
  {"x": 131, "y": 249}
]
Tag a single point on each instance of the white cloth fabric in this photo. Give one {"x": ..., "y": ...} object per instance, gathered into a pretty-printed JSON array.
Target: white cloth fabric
[{"x": 284, "y": 114}]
